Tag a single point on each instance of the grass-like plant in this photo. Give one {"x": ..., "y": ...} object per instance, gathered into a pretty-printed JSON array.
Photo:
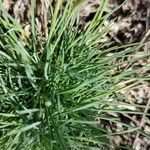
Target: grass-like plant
[{"x": 56, "y": 98}]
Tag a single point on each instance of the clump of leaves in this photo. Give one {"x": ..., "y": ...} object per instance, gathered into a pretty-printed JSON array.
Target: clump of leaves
[{"x": 55, "y": 98}]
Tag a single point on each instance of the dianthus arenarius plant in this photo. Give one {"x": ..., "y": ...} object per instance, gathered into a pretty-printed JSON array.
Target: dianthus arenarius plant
[{"x": 57, "y": 98}]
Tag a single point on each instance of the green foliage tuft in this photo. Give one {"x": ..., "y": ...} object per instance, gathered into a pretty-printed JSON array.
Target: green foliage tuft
[{"x": 57, "y": 98}]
